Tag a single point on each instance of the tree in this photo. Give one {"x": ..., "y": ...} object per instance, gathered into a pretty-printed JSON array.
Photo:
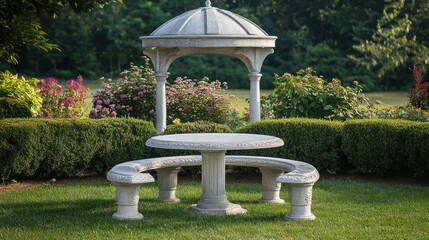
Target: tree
[
  {"x": 20, "y": 23},
  {"x": 397, "y": 42}
]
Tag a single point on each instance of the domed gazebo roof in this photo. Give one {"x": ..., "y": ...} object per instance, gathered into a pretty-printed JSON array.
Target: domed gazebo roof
[
  {"x": 209, "y": 27},
  {"x": 207, "y": 30}
]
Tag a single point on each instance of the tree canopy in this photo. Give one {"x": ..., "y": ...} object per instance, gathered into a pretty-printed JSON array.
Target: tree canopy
[
  {"x": 374, "y": 42},
  {"x": 20, "y": 23}
]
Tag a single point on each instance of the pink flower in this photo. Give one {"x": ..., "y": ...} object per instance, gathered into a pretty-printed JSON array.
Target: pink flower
[
  {"x": 113, "y": 114},
  {"x": 122, "y": 96},
  {"x": 98, "y": 107},
  {"x": 106, "y": 102},
  {"x": 59, "y": 88},
  {"x": 136, "y": 98},
  {"x": 105, "y": 111}
]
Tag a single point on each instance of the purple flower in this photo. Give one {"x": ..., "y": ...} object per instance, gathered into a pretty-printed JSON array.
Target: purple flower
[
  {"x": 98, "y": 107},
  {"x": 118, "y": 106},
  {"x": 99, "y": 102},
  {"x": 105, "y": 111},
  {"x": 92, "y": 114},
  {"x": 140, "y": 93},
  {"x": 122, "y": 96},
  {"x": 106, "y": 102},
  {"x": 136, "y": 98}
]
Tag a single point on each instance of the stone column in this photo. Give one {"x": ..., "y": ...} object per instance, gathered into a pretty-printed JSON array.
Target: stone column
[
  {"x": 167, "y": 183},
  {"x": 161, "y": 102},
  {"x": 255, "y": 97},
  {"x": 270, "y": 187},
  {"x": 213, "y": 200},
  {"x": 127, "y": 199},
  {"x": 300, "y": 195}
]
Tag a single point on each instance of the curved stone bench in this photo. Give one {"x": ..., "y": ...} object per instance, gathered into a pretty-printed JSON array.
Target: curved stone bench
[{"x": 298, "y": 176}]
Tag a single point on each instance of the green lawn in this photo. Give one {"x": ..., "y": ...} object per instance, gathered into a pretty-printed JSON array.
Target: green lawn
[{"x": 344, "y": 209}]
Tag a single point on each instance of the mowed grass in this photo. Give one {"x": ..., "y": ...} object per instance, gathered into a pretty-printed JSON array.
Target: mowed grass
[{"x": 344, "y": 209}]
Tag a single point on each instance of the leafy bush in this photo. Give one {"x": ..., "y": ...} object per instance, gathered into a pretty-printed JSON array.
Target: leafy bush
[
  {"x": 64, "y": 147},
  {"x": 12, "y": 108},
  {"x": 207, "y": 101},
  {"x": 132, "y": 95},
  {"x": 376, "y": 111},
  {"x": 59, "y": 103},
  {"x": 21, "y": 89},
  {"x": 317, "y": 142},
  {"x": 387, "y": 147},
  {"x": 308, "y": 95},
  {"x": 419, "y": 94}
]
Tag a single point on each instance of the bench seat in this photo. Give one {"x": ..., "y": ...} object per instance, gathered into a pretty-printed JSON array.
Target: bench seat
[{"x": 298, "y": 176}]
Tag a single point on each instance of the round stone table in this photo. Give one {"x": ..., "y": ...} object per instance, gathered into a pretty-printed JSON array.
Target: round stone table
[{"x": 213, "y": 147}]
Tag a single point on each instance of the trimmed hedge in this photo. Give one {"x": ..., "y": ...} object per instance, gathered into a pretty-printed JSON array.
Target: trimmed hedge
[
  {"x": 387, "y": 147},
  {"x": 64, "y": 147},
  {"x": 317, "y": 142},
  {"x": 13, "y": 108}
]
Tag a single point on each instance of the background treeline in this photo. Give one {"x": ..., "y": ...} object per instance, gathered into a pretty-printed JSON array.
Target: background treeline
[{"x": 374, "y": 42}]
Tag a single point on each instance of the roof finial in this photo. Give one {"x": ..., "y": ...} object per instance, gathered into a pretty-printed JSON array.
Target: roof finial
[{"x": 208, "y": 3}]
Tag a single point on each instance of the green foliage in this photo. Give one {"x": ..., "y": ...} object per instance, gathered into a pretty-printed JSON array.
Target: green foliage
[
  {"x": 317, "y": 142},
  {"x": 20, "y": 23},
  {"x": 21, "y": 89},
  {"x": 199, "y": 101},
  {"x": 387, "y": 147},
  {"x": 12, "y": 108},
  {"x": 393, "y": 44},
  {"x": 307, "y": 95},
  {"x": 62, "y": 147},
  {"x": 58, "y": 103},
  {"x": 196, "y": 127},
  {"x": 131, "y": 95}
]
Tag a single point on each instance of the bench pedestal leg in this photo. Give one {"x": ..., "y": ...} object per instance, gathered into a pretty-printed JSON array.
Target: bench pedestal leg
[
  {"x": 167, "y": 183},
  {"x": 127, "y": 199},
  {"x": 270, "y": 187},
  {"x": 300, "y": 201}
]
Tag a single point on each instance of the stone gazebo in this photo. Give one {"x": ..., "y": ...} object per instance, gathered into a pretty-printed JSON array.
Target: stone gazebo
[{"x": 207, "y": 30}]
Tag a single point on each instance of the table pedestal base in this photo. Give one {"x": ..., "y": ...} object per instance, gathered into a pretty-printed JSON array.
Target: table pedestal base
[{"x": 231, "y": 209}]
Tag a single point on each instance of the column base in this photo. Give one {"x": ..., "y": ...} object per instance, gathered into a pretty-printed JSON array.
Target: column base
[
  {"x": 118, "y": 216},
  {"x": 231, "y": 209},
  {"x": 299, "y": 218}
]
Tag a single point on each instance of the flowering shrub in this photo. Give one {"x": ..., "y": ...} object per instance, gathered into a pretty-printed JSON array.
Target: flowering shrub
[
  {"x": 308, "y": 95},
  {"x": 201, "y": 101},
  {"x": 60, "y": 103},
  {"x": 131, "y": 95},
  {"x": 20, "y": 89},
  {"x": 419, "y": 94}
]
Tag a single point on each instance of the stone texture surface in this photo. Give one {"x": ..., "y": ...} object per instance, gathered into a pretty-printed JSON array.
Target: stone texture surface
[
  {"x": 208, "y": 30},
  {"x": 303, "y": 176},
  {"x": 214, "y": 141}
]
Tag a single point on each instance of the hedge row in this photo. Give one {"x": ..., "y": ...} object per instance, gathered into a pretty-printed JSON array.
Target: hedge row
[
  {"x": 381, "y": 147},
  {"x": 317, "y": 142},
  {"x": 387, "y": 147},
  {"x": 62, "y": 147}
]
